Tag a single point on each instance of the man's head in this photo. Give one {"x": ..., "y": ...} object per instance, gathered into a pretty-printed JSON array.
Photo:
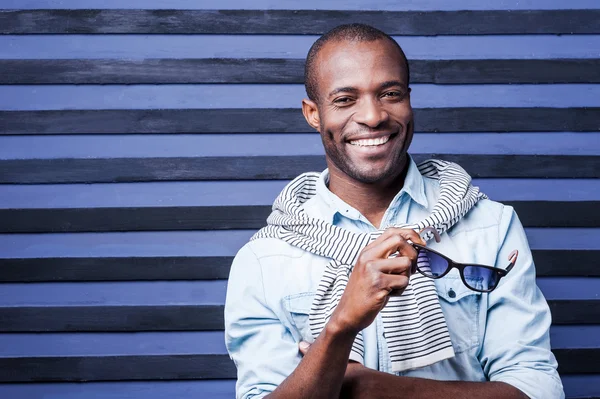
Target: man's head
[{"x": 359, "y": 100}]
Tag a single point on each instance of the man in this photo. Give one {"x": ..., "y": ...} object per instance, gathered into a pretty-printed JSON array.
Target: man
[{"x": 292, "y": 282}]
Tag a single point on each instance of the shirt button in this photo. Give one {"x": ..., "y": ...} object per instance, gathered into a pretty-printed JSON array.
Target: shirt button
[{"x": 451, "y": 293}]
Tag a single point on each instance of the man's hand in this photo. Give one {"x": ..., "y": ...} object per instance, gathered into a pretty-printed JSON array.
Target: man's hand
[{"x": 375, "y": 277}]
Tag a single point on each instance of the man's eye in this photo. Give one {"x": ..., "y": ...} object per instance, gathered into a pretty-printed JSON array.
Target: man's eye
[
  {"x": 393, "y": 94},
  {"x": 342, "y": 100}
]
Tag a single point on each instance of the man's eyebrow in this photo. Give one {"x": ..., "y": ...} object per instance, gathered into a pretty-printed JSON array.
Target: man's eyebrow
[
  {"x": 391, "y": 83},
  {"x": 383, "y": 86},
  {"x": 346, "y": 89}
]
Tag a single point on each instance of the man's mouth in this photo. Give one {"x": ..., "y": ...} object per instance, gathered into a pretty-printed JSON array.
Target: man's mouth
[{"x": 371, "y": 142}]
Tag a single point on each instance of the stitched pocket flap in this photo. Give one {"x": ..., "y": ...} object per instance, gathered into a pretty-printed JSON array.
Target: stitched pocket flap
[
  {"x": 299, "y": 303},
  {"x": 452, "y": 289}
]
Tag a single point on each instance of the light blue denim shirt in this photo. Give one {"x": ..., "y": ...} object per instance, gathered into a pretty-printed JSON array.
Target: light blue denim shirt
[{"x": 500, "y": 336}]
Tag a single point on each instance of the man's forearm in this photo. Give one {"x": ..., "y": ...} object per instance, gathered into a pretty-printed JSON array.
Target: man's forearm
[
  {"x": 321, "y": 372},
  {"x": 361, "y": 382}
]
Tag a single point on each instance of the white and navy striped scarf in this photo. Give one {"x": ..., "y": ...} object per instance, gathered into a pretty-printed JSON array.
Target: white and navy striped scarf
[{"x": 413, "y": 323}]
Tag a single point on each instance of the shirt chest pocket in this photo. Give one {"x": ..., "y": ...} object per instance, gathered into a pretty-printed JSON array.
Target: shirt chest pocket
[
  {"x": 297, "y": 307},
  {"x": 461, "y": 307}
]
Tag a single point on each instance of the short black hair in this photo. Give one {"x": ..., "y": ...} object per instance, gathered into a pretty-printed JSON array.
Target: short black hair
[{"x": 348, "y": 32}]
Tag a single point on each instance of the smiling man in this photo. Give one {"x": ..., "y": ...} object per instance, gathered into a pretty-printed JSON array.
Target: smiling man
[{"x": 340, "y": 296}]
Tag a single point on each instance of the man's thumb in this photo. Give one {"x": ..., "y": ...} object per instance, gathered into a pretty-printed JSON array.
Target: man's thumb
[{"x": 304, "y": 347}]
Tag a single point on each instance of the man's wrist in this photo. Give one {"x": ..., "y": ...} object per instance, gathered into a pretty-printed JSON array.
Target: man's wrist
[{"x": 336, "y": 327}]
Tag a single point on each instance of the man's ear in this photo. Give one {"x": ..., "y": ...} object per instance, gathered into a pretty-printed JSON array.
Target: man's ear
[{"x": 311, "y": 113}]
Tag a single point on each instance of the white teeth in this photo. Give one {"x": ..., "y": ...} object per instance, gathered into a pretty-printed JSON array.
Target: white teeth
[{"x": 371, "y": 142}]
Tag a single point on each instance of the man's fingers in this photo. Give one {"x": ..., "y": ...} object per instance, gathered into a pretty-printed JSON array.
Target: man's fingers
[
  {"x": 398, "y": 265},
  {"x": 396, "y": 283},
  {"x": 384, "y": 236},
  {"x": 393, "y": 243},
  {"x": 303, "y": 346},
  {"x": 409, "y": 234}
]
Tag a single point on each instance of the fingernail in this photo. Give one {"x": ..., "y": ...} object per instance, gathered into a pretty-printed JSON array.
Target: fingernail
[{"x": 304, "y": 345}]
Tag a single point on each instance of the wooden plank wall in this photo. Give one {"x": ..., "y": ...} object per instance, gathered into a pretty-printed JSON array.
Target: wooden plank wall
[{"x": 140, "y": 147}]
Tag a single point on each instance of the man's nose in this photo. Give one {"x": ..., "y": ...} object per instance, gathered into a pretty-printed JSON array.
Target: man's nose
[{"x": 371, "y": 113}]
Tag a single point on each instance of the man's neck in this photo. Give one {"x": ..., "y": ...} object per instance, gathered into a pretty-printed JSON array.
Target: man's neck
[{"x": 371, "y": 200}]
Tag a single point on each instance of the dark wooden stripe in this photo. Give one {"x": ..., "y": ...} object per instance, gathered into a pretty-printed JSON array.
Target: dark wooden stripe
[
  {"x": 570, "y": 262},
  {"x": 115, "y": 268},
  {"x": 265, "y": 70},
  {"x": 133, "y": 219},
  {"x": 557, "y": 213},
  {"x": 132, "y": 318},
  {"x": 105, "y": 170},
  {"x": 157, "y": 71},
  {"x": 298, "y": 21},
  {"x": 578, "y": 360},
  {"x": 188, "y": 367},
  {"x": 116, "y": 368},
  {"x": 549, "y": 263},
  {"x": 571, "y": 311},
  {"x": 111, "y": 318},
  {"x": 531, "y": 213},
  {"x": 286, "y": 120}
]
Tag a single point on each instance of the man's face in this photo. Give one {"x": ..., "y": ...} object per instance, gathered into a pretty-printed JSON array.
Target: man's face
[{"x": 364, "y": 112}]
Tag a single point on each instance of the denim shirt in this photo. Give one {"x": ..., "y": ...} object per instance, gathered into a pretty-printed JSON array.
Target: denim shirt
[{"x": 497, "y": 336}]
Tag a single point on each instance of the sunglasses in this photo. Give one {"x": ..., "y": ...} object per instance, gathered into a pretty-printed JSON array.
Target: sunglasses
[{"x": 476, "y": 277}]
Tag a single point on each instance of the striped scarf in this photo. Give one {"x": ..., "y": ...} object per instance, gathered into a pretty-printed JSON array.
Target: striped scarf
[{"x": 413, "y": 323}]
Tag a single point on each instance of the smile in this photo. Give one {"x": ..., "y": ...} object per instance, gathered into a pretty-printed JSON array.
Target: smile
[{"x": 371, "y": 142}]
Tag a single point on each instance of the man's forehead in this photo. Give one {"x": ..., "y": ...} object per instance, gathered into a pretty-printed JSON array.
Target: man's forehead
[{"x": 342, "y": 61}]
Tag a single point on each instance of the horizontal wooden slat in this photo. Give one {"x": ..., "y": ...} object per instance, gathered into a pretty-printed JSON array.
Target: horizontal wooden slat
[
  {"x": 574, "y": 263},
  {"x": 190, "y": 317},
  {"x": 107, "y": 170},
  {"x": 187, "y": 367},
  {"x": 531, "y": 213},
  {"x": 575, "y": 311},
  {"x": 111, "y": 318},
  {"x": 115, "y": 268},
  {"x": 286, "y": 120},
  {"x": 557, "y": 213},
  {"x": 133, "y": 219},
  {"x": 578, "y": 360},
  {"x": 549, "y": 263},
  {"x": 116, "y": 368},
  {"x": 298, "y": 21},
  {"x": 267, "y": 70}
]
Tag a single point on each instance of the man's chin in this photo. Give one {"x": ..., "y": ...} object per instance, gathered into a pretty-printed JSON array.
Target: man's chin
[
  {"x": 372, "y": 176},
  {"x": 379, "y": 173}
]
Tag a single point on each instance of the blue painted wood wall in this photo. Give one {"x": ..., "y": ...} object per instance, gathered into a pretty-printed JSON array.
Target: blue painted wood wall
[{"x": 117, "y": 226}]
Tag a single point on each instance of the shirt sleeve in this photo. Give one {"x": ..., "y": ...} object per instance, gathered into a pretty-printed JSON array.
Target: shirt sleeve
[
  {"x": 261, "y": 347},
  {"x": 516, "y": 345}
]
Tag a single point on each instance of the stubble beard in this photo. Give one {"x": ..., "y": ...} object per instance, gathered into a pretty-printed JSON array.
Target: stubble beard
[{"x": 343, "y": 162}]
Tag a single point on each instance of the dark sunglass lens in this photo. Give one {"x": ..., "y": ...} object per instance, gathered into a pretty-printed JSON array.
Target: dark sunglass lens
[
  {"x": 481, "y": 278},
  {"x": 431, "y": 264}
]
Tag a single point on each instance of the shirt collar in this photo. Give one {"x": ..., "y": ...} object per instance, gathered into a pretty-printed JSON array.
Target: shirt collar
[{"x": 326, "y": 204}]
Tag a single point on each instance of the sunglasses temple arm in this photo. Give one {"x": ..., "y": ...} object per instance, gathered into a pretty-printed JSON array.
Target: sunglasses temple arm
[{"x": 512, "y": 258}]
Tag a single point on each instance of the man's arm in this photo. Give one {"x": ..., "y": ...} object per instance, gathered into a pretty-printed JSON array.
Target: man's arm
[
  {"x": 516, "y": 346},
  {"x": 375, "y": 276},
  {"x": 361, "y": 382}
]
